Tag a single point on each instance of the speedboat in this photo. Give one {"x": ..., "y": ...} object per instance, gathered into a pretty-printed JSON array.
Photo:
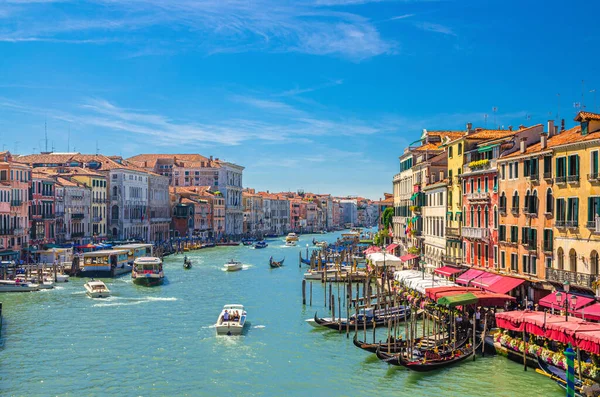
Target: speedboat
[
  {"x": 17, "y": 286},
  {"x": 291, "y": 237},
  {"x": 234, "y": 324},
  {"x": 291, "y": 243},
  {"x": 261, "y": 244},
  {"x": 233, "y": 266},
  {"x": 148, "y": 271},
  {"x": 96, "y": 289}
]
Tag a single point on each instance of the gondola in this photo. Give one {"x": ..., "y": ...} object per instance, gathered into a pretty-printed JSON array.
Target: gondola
[
  {"x": 305, "y": 261},
  {"x": 394, "y": 347},
  {"x": 260, "y": 244},
  {"x": 439, "y": 351},
  {"x": 431, "y": 361},
  {"x": 377, "y": 317},
  {"x": 275, "y": 264},
  {"x": 187, "y": 263},
  {"x": 557, "y": 374}
]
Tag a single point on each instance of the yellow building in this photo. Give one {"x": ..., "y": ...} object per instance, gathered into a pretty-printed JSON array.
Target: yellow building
[
  {"x": 97, "y": 184},
  {"x": 577, "y": 203}
]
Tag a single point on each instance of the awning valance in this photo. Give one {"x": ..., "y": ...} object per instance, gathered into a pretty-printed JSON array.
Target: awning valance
[
  {"x": 468, "y": 276},
  {"x": 486, "y": 148},
  {"x": 390, "y": 248},
  {"x": 447, "y": 271},
  {"x": 408, "y": 257},
  {"x": 551, "y": 302},
  {"x": 505, "y": 284}
]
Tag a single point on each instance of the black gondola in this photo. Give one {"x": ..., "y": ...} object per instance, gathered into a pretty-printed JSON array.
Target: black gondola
[
  {"x": 394, "y": 346},
  {"x": 557, "y": 374},
  {"x": 430, "y": 361},
  {"x": 370, "y": 316},
  {"x": 187, "y": 263},
  {"x": 305, "y": 261},
  {"x": 275, "y": 264}
]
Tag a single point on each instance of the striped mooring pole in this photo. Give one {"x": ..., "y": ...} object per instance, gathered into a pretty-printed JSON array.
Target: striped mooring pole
[{"x": 570, "y": 355}]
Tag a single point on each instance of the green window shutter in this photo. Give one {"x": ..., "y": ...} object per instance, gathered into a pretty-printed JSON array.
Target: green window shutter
[
  {"x": 591, "y": 201},
  {"x": 556, "y": 171},
  {"x": 576, "y": 209},
  {"x": 594, "y": 163},
  {"x": 577, "y": 165}
]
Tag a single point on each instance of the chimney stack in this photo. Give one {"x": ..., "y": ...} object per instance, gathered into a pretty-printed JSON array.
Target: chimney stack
[
  {"x": 510, "y": 127},
  {"x": 543, "y": 138},
  {"x": 562, "y": 125},
  {"x": 550, "y": 127},
  {"x": 469, "y": 127},
  {"x": 555, "y": 130},
  {"x": 523, "y": 146}
]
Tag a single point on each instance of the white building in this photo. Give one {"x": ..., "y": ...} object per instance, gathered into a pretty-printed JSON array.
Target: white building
[
  {"x": 75, "y": 203},
  {"x": 159, "y": 208},
  {"x": 128, "y": 191},
  {"x": 230, "y": 185},
  {"x": 434, "y": 222}
]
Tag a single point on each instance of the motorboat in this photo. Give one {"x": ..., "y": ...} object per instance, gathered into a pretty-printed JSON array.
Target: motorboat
[
  {"x": 46, "y": 283},
  {"x": 147, "y": 271},
  {"x": 291, "y": 237},
  {"x": 233, "y": 266},
  {"x": 291, "y": 243},
  {"x": 261, "y": 244},
  {"x": 231, "y": 321},
  {"x": 17, "y": 285},
  {"x": 96, "y": 289}
]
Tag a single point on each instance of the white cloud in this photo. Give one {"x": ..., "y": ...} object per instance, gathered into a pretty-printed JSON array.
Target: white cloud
[{"x": 436, "y": 28}]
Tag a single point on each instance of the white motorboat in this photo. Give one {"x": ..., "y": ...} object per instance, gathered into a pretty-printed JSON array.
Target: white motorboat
[
  {"x": 231, "y": 320},
  {"x": 330, "y": 274},
  {"x": 96, "y": 289},
  {"x": 17, "y": 286},
  {"x": 233, "y": 266},
  {"x": 291, "y": 243},
  {"x": 291, "y": 237},
  {"x": 147, "y": 271},
  {"x": 60, "y": 278}
]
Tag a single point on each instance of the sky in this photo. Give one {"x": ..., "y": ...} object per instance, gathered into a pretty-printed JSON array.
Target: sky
[{"x": 319, "y": 95}]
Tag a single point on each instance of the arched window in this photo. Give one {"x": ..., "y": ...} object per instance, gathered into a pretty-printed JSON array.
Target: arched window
[
  {"x": 560, "y": 256},
  {"x": 495, "y": 217},
  {"x": 549, "y": 202},
  {"x": 503, "y": 202},
  {"x": 464, "y": 216},
  {"x": 478, "y": 216},
  {"x": 515, "y": 201},
  {"x": 534, "y": 203},
  {"x": 472, "y": 216},
  {"x": 527, "y": 204},
  {"x": 486, "y": 216},
  {"x": 459, "y": 149},
  {"x": 594, "y": 263},
  {"x": 572, "y": 260},
  {"x": 115, "y": 212}
]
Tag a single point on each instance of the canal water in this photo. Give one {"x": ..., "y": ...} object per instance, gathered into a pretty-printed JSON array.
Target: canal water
[{"x": 160, "y": 341}]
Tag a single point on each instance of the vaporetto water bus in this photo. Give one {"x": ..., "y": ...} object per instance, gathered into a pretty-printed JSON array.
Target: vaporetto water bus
[{"x": 147, "y": 271}]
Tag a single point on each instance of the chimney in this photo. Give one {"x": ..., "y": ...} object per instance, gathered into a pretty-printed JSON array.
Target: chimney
[
  {"x": 523, "y": 146},
  {"x": 510, "y": 127},
  {"x": 543, "y": 138},
  {"x": 562, "y": 125},
  {"x": 521, "y": 126},
  {"x": 469, "y": 127},
  {"x": 550, "y": 127},
  {"x": 211, "y": 158},
  {"x": 555, "y": 130}
]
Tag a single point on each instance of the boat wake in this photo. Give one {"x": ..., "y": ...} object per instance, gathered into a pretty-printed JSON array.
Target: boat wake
[
  {"x": 209, "y": 326},
  {"x": 115, "y": 301},
  {"x": 259, "y": 326}
]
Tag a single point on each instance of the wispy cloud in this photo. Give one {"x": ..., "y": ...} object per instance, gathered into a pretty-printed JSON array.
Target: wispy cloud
[
  {"x": 401, "y": 17},
  {"x": 299, "y": 91},
  {"x": 214, "y": 26},
  {"x": 436, "y": 28}
]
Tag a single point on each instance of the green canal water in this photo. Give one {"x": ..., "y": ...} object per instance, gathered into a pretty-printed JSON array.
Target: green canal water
[{"x": 160, "y": 341}]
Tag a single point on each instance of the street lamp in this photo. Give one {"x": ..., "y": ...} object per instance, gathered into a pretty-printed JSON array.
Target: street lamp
[{"x": 559, "y": 300}]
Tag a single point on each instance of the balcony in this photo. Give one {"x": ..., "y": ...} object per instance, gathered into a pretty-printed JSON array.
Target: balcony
[
  {"x": 534, "y": 177},
  {"x": 97, "y": 219},
  {"x": 572, "y": 224},
  {"x": 453, "y": 232},
  {"x": 6, "y": 232},
  {"x": 77, "y": 216},
  {"x": 478, "y": 196},
  {"x": 560, "y": 180},
  {"x": 548, "y": 175},
  {"x": 573, "y": 179},
  {"x": 530, "y": 246},
  {"x": 502, "y": 210},
  {"x": 397, "y": 219},
  {"x": 18, "y": 230},
  {"x": 479, "y": 166},
  {"x": 547, "y": 247},
  {"x": 476, "y": 233},
  {"x": 593, "y": 177},
  {"x": 114, "y": 221},
  {"x": 514, "y": 210},
  {"x": 77, "y": 234},
  {"x": 48, "y": 216},
  {"x": 560, "y": 223},
  {"x": 529, "y": 212},
  {"x": 579, "y": 279},
  {"x": 452, "y": 260},
  {"x": 15, "y": 203}
]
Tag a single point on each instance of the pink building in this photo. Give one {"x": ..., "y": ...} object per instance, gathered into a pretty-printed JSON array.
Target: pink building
[
  {"x": 14, "y": 207},
  {"x": 42, "y": 209}
]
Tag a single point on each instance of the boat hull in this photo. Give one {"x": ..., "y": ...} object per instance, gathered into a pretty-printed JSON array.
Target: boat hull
[
  {"x": 229, "y": 330},
  {"x": 147, "y": 281},
  {"x": 97, "y": 295},
  {"x": 233, "y": 268}
]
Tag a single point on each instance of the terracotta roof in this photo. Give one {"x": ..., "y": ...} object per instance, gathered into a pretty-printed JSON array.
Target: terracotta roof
[
  {"x": 583, "y": 116},
  {"x": 428, "y": 146},
  {"x": 106, "y": 163},
  {"x": 449, "y": 134},
  {"x": 491, "y": 134},
  {"x": 66, "y": 182},
  {"x": 568, "y": 136}
]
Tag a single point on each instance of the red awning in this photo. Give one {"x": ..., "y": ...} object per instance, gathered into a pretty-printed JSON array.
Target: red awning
[
  {"x": 505, "y": 284},
  {"x": 372, "y": 249},
  {"x": 468, "y": 276},
  {"x": 408, "y": 257},
  {"x": 390, "y": 248},
  {"x": 592, "y": 312},
  {"x": 439, "y": 292},
  {"x": 447, "y": 270},
  {"x": 485, "y": 280},
  {"x": 488, "y": 299},
  {"x": 550, "y": 301}
]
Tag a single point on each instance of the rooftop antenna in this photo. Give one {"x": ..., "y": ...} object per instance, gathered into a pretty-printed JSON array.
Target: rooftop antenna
[
  {"x": 46, "y": 133},
  {"x": 97, "y": 150},
  {"x": 494, "y": 109},
  {"x": 52, "y": 146},
  {"x": 577, "y": 106}
]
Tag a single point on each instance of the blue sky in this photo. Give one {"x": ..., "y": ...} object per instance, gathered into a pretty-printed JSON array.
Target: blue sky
[{"x": 321, "y": 95}]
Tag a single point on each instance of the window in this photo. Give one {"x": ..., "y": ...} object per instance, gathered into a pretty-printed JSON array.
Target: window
[
  {"x": 533, "y": 203},
  {"x": 450, "y": 152},
  {"x": 524, "y": 235},
  {"x": 503, "y": 172},
  {"x": 594, "y": 165},
  {"x": 485, "y": 184},
  {"x": 549, "y": 201},
  {"x": 486, "y": 217},
  {"x": 459, "y": 151},
  {"x": 472, "y": 216},
  {"x": 572, "y": 260},
  {"x": 495, "y": 183},
  {"x": 573, "y": 165},
  {"x": 548, "y": 261},
  {"x": 585, "y": 127},
  {"x": 514, "y": 234},
  {"x": 514, "y": 266},
  {"x": 548, "y": 240},
  {"x": 495, "y": 217},
  {"x": 526, "y": 167},
  {"x": 502, "y": 202},
  {"x": 593, "y": 211},
  {"x": 524, "y": 260},
  {"x": 516, "y": 170},
  {"x": 486, "y": 254},
  {"x": 572, "y": 211},
  {"x": 560, "y": 256},
  {"x": 450, "y": 175},
  {"x": 510, "y": 170},
  {"x": 479, "y": 254},
  {"x": 502, "y": 233},
  {"x": 495, "y": 255},
  {"x": 472, "y": 183},
  {"x": 547, "y": 166},
  {"x": 561, "y": 167},
  {"x": 561, "y": 209},
  {"x": 478, "y": 185},
  {"x": 515, "y": 201},
  {"x": 503, "y": 259}
]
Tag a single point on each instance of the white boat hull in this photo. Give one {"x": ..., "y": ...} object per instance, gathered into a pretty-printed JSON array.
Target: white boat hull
[
  {"x": 96, "y": 295},
  {"x": 229, "y": 328},
  {"x": 233, "y": 268},
  {"x": 19, "y": 288}
]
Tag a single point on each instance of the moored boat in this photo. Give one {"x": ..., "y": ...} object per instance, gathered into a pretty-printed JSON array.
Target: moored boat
[
  {"x": 228, "y": 244},
  {"x": 17, "y": 286},
  {"x": 369, "y": 316},
  {"x": 233, "y": 266},
  {"x": 96, "y": 289},
  {"x": 147, "y": 271},
  {"x": 231, "y": 321}
]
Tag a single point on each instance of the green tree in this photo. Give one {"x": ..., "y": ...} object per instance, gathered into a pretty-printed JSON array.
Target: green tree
[{"x": 386, "y": 217}]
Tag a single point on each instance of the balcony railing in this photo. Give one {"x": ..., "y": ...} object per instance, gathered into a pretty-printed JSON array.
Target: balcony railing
[
  {"x": 502, "y": 210},
  {"x": 560, "y": 179},
  {"x": 97, "y": 219},
  {"x": 77, "y": 215},
  {"x": 48, "y": 216},
  {"x": 560, "y": 223},
  {"x": 19, "y": 230},
  {"x": 593, "y": 177},
  {"x": 6, "y": 232},
  {"x": 476, "y": 232},
  {"x": 453, "y": 232},
  {"x": 547, "y": 246},
  {"x": 534, "y": 177},
  {"x": 16, "y": 203},
  {"x": 548, "y": 175},
  {"x": 452, "y": 260},
  {"x": 560, "y": 276},
  {"x": 514, "y": 210},
  {"x": 77, "y": 234},
  {"x": 531, "y": 246},
  {"x": 573, "y": 179},
  {"x": 572, "y": 224},
  {"x": 478, "y": 196},
  {"x": 99, "y": 200}
]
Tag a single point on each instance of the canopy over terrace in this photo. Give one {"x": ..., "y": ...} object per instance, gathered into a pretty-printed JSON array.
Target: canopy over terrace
[
  {"x": 414, "y": 279},
  {"x": 438, "y": 292},
  {"x": 383, "y": 259},
  {"x": 372, "y": 249},
  {"x": 580, "y": 333},
  {"x": 448, "y": 296}
]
